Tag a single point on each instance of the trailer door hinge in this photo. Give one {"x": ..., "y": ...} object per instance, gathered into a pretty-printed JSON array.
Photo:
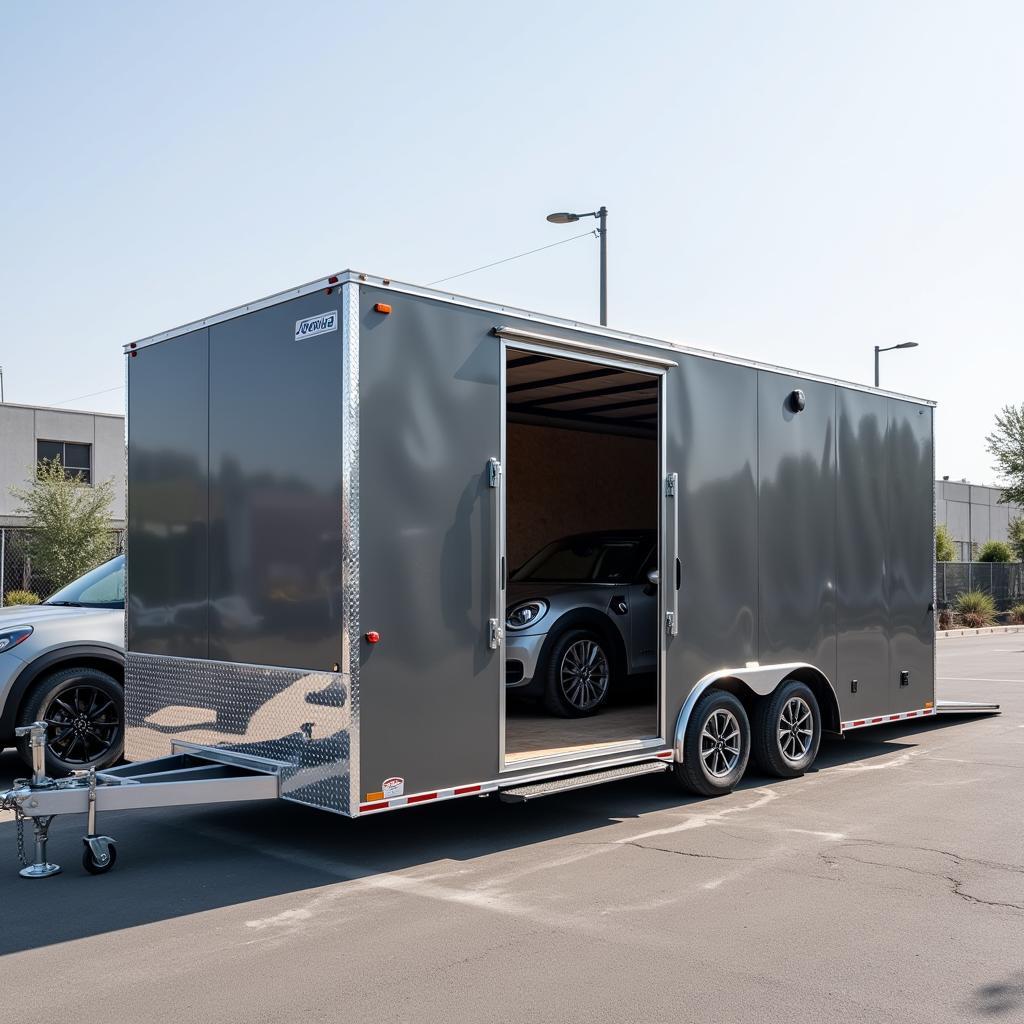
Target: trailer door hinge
[
  {"x": 495, "y": 634},
  {"x": 670, "y": 624},
  {"x": 493, "y": 472},
  {"x": 671, "y": 481}
]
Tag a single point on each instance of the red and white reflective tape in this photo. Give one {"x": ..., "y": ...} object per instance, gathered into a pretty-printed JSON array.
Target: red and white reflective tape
[
  {"x": 376, "y": 806},
  {"x": 421, "y": 798},
  {"x": 860, "y": 723}
]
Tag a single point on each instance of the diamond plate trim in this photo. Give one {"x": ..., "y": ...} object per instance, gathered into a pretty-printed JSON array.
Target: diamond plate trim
[
  {"x": 351, "y": 642},
  {"x": 299, "y": 718}
]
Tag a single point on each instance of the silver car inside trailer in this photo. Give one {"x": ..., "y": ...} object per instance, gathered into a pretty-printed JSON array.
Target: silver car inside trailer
[{"x": 363, "y": 516}]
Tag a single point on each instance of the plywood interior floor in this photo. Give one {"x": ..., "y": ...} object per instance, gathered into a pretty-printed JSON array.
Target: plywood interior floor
[{"x": 532, "y": 732}]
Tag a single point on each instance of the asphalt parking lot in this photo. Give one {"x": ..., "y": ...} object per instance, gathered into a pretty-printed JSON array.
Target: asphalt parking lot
[{"x": 886, "y": 885}]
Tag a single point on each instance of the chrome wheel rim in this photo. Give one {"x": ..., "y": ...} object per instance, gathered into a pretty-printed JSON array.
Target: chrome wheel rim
[
  {"x": 584, "y": 674},
  {"x": 720, "y": 743},
  {"x": 796, "y": 729},
  {"x": 83, "y": 724}
]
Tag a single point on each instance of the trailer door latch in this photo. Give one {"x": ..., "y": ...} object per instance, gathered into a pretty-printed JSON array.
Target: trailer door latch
[{"x": 495, "y": 634}]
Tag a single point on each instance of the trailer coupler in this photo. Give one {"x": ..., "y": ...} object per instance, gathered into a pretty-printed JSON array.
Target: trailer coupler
[{"x": 180, "y": 779}]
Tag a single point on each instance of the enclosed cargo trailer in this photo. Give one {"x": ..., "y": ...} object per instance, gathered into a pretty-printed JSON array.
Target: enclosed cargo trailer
[{"x": 335, "y": 498}]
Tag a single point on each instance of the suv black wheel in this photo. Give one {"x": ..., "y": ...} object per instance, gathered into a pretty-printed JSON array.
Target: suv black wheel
[
  {"x": 84, "y": 709},
  {"x": 578, "y": 674},
  {"x": 716, "y": 747}
]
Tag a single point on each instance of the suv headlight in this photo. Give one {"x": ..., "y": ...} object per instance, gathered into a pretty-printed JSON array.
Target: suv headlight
[
  {"x": 525, "y": 614},
  {"x": 13, "y": 637}
]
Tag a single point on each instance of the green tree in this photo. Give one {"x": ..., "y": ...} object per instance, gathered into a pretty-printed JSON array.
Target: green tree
[
  {"x": 944, "y": 550},
  {"x": 1006, "y": 446},
  {"x": 1016, "y": 535},
  {"x": 69, "y": 523},
  {"x": 995, "y": 551}
]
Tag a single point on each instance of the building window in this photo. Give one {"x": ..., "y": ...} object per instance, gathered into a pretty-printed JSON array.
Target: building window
[{"x": 76, "y": 458}]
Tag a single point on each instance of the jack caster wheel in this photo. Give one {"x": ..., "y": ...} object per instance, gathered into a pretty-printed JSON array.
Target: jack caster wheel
[{"x": 92, "y": 862}]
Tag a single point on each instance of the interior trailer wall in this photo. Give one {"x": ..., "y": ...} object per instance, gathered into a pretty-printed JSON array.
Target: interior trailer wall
[{"x": 562, "y": 482}]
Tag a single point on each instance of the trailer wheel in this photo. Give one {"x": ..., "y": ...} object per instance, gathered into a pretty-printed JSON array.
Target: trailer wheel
[
  {"x": 787, "y": 730},
  {"x": 578, "y": 674},
  {"x": 716, "y": 747},
  {"x": 93, "y": 866}
]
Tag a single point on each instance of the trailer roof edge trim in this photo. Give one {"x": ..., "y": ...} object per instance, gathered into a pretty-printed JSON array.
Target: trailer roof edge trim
[{"x": 359, "y": 278}]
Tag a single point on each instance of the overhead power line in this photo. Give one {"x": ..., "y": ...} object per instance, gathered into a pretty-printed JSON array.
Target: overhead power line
[
  {"x": 92, "y": 394},
  {"x": 509, "y": 259}
]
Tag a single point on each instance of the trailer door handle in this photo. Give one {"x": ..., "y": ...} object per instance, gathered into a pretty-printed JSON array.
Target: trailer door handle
[
  {"x": 495, "y": 630},
  {"x": 672, "y": 519}
]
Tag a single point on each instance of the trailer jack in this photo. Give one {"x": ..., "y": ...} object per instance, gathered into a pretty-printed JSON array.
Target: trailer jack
[{"x": 192, "y": 776}]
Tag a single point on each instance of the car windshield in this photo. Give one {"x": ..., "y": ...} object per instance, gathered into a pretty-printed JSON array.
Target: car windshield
[
  {"x": 103, "y": 587},
  {"x": 586, "y": 560}
]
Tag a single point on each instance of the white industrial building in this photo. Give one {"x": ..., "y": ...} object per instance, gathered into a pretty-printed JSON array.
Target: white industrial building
[
  {"x": 972, "y": 513},
  {"x": 90, "y": 444}
]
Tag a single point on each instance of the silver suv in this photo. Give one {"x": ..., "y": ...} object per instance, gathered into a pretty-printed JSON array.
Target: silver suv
[{"x": 62, "y": 662}]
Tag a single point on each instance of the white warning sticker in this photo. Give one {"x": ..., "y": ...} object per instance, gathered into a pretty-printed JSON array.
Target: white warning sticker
[{"x": 393, "y": 787}]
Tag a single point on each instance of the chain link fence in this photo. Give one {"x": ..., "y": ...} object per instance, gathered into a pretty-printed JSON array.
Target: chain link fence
[
  {"x": 16, "y": 572},
  {"x": 1003, "y": 580}
]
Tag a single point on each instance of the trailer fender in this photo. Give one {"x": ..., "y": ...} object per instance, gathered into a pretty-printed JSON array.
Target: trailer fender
[{"x": 759, "y": 681}]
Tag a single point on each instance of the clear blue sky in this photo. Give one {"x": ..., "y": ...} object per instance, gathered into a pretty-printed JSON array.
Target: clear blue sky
[{"x": 790, "y": 181}]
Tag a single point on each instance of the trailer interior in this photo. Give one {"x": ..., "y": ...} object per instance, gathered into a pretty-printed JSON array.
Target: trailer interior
[{"x": 582, "y": 458}]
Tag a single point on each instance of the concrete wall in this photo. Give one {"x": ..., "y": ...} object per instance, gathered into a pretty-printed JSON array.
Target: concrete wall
[
  {"x": 972, "y": 513},
  {"x": 22, "y": 425}
]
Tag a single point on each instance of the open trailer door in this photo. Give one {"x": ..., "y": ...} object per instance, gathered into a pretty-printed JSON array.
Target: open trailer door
[{"x": 427, "y": 514}]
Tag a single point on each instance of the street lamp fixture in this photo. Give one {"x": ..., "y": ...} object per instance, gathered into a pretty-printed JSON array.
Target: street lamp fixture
[
  {"x": 602, "y": 234},
  {"x": 891, "y": 348}
]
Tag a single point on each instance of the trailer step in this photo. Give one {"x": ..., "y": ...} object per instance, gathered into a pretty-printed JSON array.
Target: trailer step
[
  {"x": 520, "y": 794},
  {"x": 965, "y": 707}
]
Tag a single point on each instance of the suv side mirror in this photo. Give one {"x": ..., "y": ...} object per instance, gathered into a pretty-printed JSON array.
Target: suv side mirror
[{"x": 653, "y": 576}]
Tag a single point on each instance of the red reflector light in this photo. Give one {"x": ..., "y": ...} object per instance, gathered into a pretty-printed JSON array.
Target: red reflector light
[
  {"x": 373, "y": 637},
  {"x": 382, "y": 307},
  {"x": 332, "y": 280}
]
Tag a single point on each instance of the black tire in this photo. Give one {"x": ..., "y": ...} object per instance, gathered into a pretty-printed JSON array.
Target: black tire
[
  {"x": 90, "y": 864},
  {"x": 782, "y": 746},
  {"x": 716, "y": 747},
  {"x": 579, "y": 672},
  {"x": 85, "y": 710}
]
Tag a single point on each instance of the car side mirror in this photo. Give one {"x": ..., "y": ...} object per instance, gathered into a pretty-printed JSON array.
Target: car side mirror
[{"x": 653, "y": 576}]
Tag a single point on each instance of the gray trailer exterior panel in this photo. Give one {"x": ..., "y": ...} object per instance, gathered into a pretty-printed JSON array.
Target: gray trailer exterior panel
[{"x": 353, "y": 466}]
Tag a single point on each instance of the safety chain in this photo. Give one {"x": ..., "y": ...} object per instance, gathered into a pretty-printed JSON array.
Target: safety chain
[{"x": 10, "y": 803}]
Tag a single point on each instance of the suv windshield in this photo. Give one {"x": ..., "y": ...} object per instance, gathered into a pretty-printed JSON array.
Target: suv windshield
[
  {"x": 103, "y": 587},
  {"x": 586, "y": 560}
]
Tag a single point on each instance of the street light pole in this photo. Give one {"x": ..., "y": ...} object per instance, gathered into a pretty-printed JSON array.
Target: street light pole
[
  {"x": 891, "y": 348},
  {"x": 602, "y": 233}
]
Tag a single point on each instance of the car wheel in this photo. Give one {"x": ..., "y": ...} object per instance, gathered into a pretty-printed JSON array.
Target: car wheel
[
  {"x": 579, "y": 674},
  {"x": 787, "y": 730},
  {"x": 716, "y": 747},
  {"x": 84, "y": 711}
]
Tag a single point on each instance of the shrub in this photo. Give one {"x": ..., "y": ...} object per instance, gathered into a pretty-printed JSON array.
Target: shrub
[
  {"x": 944, "y": 550},
  {"x": 995, "y": 551},
  {"x": 977, "y": 605},
  {"x": 1016, "y": 535},
  {"x": 1016, "y": 614},
  {"x": 945, "y": 619},
  {"x": 21, "y": 597}
]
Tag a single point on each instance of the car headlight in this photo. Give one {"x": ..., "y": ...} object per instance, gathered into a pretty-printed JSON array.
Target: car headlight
[
  {"x": 525, "y": 614},
  {"x": 13, "y": 637}
]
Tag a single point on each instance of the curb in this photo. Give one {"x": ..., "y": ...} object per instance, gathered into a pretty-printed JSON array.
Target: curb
[{"x": 943, "y": 634}]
